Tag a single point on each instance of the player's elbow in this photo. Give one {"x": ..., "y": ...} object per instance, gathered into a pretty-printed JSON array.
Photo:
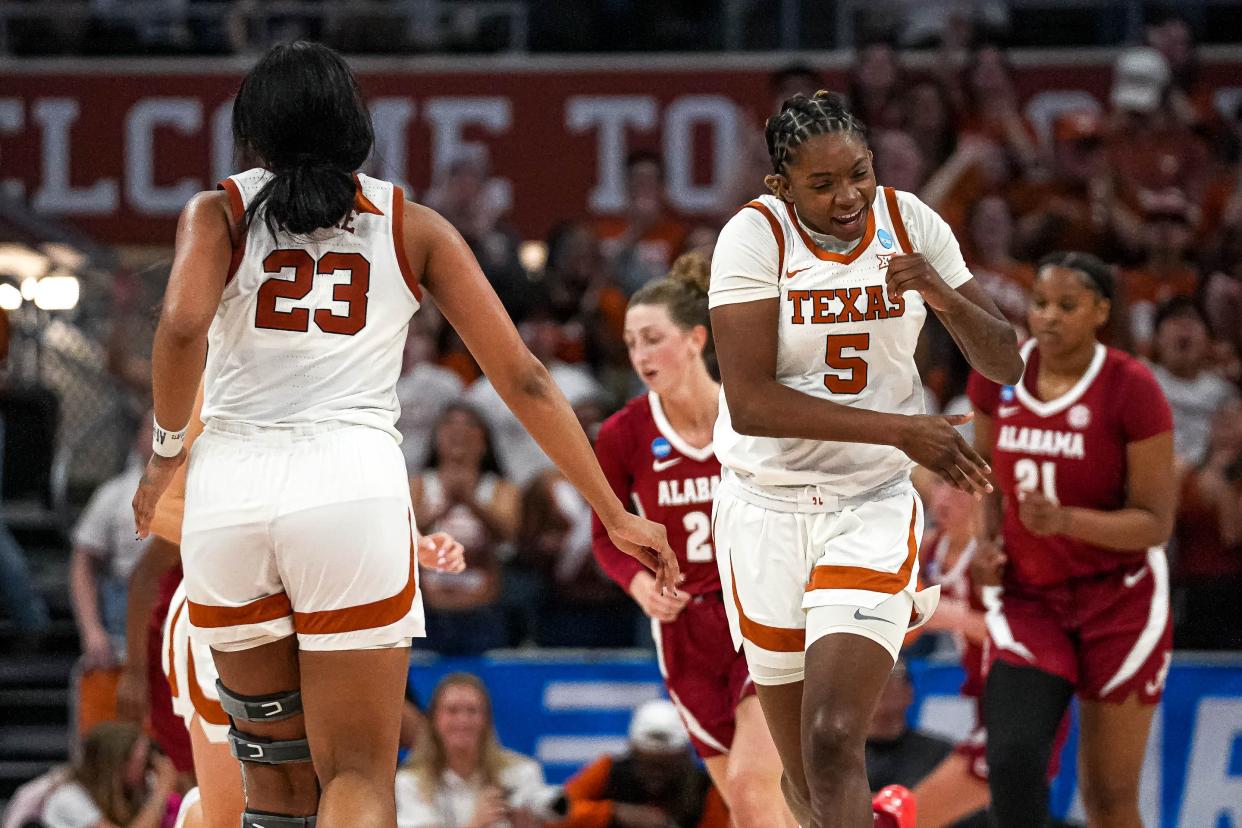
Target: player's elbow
[
  {"x": 182, "y": 324},
  {"x": 746, "y": 415}
]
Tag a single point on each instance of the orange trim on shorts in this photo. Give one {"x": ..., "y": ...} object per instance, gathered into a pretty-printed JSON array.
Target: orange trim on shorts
[
  {"x": 776, "y": 231},
  {"x": 237, "y": 209},
  {"x": 172, "y": 654},
  {"x": 824, "y": 255},
  {"x": 859, "y": 577},
  {"x": 398, "y": 243},
  {"x": 362, "y": 204},
  {"x": 209, "y": 710},
  {"x": 775, "y": 639},
  {"x": 269, "y": 608},
  {"x": 899, "y": 226},
  {"x": 370, "y": 616}
]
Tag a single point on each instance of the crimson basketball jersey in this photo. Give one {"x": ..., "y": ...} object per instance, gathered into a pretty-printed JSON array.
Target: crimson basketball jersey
[
  {"x": 1073, "y": 450},
  {"x": 662, "y": 478}
]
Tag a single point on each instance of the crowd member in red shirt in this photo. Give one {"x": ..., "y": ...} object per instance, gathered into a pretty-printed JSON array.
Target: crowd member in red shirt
[
  {"x": 1082, "y": 452},
  {"x": 657, "y": 454}
]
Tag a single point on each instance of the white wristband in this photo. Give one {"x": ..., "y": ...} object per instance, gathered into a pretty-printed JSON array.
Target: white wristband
[{"x": 166, "y": 443}]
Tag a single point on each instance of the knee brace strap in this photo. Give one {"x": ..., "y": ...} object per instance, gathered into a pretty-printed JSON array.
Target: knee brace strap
[
  {"x": 270, "y": 708},
  {"x": 247, "y": 748},
  {"x": 258, "y": 819}
]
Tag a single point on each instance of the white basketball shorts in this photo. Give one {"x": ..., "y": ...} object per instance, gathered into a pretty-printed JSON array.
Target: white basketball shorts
[
  {"x": 191, "y": 673},
  {"x": 304, "y": 530},
  {"x": 802, "y": 565}
]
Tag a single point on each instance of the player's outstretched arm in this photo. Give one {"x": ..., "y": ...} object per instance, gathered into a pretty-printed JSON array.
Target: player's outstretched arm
[
  {"x": 453, "y": 277},
  {"x": 746, "y": 333},
  {"x": 200, "y": 268}
]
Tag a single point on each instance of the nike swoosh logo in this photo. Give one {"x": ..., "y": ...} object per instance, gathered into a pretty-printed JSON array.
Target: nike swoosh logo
[
  {"x": 789, "y": 274},
  {"x": 1134, "y": 577},
  {"x": 858, "y": 616},
  {"x": 661, "y": 465},
  {"x": 1008, "y": 410}
]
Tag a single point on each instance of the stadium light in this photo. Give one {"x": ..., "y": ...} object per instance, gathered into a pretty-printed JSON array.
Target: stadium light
[
  {"x": 10, "y": 296},
  {"x": 30, "y": 286},
  {"x": 57, "y": 293}
]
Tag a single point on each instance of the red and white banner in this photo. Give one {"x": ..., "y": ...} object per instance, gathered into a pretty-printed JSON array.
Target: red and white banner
[{"x": 118, "y": 151}]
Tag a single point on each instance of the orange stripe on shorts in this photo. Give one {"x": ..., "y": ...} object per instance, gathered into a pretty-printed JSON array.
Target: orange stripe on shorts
[
  {"x": 269, "y": 608},
  {"x": 859, "y": 577}
]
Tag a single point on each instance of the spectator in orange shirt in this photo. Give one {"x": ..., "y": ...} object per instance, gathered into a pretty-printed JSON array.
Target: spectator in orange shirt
[
  {"x": 642, "y": 243},
  {"x": 655, "y": 784}
]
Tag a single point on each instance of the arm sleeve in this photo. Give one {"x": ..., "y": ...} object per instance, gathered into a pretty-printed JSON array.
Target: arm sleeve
[
  {"x": 611, "y": 452},
  {"x": 1145, "y": 411},
  {"x": 932, "y": 236},
  {"x": 745, "y": 261},
  {"x": 983, "y": 393},
  {"x": 584, "y": 789}
]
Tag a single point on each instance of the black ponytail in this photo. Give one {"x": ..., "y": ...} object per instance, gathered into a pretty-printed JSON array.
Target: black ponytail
[{"x": 300, "y": 113}]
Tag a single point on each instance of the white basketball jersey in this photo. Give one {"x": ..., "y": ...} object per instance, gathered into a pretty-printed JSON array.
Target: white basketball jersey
[
  {"x": 311, "y": 330},
  {"x": 841, "y": 338}
]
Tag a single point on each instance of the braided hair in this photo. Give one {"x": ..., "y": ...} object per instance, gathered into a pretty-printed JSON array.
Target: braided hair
[{"x": 803, "y": 117}]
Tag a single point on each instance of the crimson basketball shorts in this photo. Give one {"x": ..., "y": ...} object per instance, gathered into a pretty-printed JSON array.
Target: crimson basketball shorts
[
  {"x": 302, "y": 530},
  {"x": 166, "y": 726},
  {"x": 1110, "y": 635},
  {"x": 706, "y": 676}
]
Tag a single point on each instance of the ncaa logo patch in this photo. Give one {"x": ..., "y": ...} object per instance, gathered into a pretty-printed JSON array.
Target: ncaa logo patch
[
  {"x": 1079, "y": 416},
  {"x": 886, "y": 240},
  {"x": 1007, "y": 393},
  {"x": 660, "y": 448}
]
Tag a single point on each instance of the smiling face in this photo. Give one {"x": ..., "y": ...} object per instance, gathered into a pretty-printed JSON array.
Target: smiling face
[
  {"x": 661, "y": 352},
  {"x": 460, "y": 719},
  {"x": 830, "y": 180}
]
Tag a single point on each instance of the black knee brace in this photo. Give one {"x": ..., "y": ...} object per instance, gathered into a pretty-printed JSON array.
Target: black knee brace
[
  {"x": 271, "y": 708},
  {"x": 258, "y": 819}
]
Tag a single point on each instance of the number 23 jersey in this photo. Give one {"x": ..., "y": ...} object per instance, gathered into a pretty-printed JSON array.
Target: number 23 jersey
[
  {"x": 311, "y": 329},
  {"x": 664, "y": 479},
  {"x": 1073, "y": 450},
  {"x": 840, "y": 337}
]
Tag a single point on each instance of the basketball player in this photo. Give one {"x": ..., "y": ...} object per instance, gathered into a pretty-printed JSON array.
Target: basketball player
[
  {"x": 657, "y": 454},
  {"x": 1082, "y": 451},
  {"x": 303, "y": 275},
  {"x": 818, "y": 294}
]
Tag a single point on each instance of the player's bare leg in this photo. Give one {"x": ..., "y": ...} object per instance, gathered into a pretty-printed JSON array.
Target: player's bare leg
[
  {"x": 1112, "y": 744},
  {"x": 782, "y": 710},
  {"x": 753, "y": 777},
  {"x": 221, "y": 799},
  {"x": 271, "y": 670},
  {"x": 950, "y": 792},
  {"x": 353, "y": 729},
  {"x": 845, "y": 674}
]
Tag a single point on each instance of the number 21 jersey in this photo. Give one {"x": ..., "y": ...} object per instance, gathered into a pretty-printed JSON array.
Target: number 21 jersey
[
  {"x": 1071, "y": 449},
  {"x": 312, "y": 328}
]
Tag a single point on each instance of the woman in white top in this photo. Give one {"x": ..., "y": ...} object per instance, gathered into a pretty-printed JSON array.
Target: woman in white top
[
  {"x": 460, "y": 776},
  {"x": 298, "y": 542},
  {"x": 818, "y": 294}
]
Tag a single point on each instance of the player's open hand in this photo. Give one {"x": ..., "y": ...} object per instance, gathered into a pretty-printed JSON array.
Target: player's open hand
[
  {"x": 987, "y": 565},
  {"x": 155, "y": 479},
  {"x": 648, "y": 542},
  {"x": 1040, "y": 515},
  {"x": 911, "y": 271},
  {"x": 441, "y": 551},
  {"x": 662, "y": 607},
  {"x": 935, "y": 443}
]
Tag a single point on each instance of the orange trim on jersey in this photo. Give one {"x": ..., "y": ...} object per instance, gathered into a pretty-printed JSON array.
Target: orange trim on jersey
[
  {"x": 370, "y": 616},
  {"x": 237, "y": 209},
  {"x": 859, "y": 577},
  {"x": 398, "y": 243},
  {"x": 209, "y": 710},
  {"x": 776, "y": 231},
  {"x": 774, "y": 639},
  {"x": 362, "y": 204},
  {"x": 269, "y": 608},
  {"x": 172, "y": 655},
  {"x": 899, "y": 226},
  {"x": 824, "y": 255}
]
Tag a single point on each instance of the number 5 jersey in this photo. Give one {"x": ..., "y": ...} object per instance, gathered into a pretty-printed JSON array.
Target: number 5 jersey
[
  {"x": 840, "y": 338},
  {"x": 311, "y": 328}
]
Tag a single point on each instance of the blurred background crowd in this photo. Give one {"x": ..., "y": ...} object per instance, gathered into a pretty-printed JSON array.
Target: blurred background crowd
[{"x": 1152, "y": 183}]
